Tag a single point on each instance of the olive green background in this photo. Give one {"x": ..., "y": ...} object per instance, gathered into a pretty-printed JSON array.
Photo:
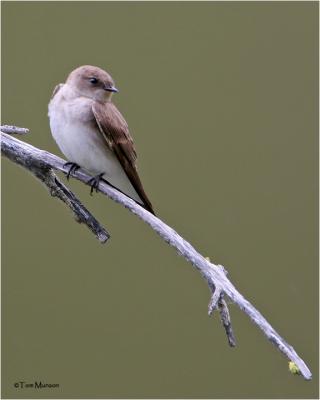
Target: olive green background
[{"x": 222, "y": 102}]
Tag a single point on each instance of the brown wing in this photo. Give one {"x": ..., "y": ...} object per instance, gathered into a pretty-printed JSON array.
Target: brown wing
[{"x": 116, "y": 133}]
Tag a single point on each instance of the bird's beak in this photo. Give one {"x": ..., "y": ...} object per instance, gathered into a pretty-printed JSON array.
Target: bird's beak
[{"x": 111, "y": 89}]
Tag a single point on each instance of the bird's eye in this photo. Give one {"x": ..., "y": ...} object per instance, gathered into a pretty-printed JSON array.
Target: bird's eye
[{"x": 93, "y": 80}]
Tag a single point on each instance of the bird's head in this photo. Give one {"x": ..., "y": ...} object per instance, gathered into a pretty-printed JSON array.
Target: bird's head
[{"x": 92, "y": 82}]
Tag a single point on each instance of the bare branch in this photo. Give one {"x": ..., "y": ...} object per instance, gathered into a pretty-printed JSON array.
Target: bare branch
[
  {"x": 216, "y": 295},
  {"x": 226, "y": 321},
  {"x": 11, "y": 129},
  {"x": 217, "y": 301},
  {"x": 43, "y": 171},
  {"x": 81, "y": 214},
  {"x": 215, "y": 276}
]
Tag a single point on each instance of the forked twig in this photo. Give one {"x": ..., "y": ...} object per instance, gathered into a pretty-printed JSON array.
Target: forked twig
[{"x": 44, "y": 172}]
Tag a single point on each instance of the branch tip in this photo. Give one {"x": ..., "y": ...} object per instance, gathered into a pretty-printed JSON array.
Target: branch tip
[
  {"x": 15, "y": 130},
  {"x": 226, "y": 321}
]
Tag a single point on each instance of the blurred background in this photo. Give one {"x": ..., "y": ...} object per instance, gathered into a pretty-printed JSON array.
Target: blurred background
[{"x": 222, "y": 100}]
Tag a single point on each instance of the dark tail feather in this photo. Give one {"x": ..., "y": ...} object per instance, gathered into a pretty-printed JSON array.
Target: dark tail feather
[{"x": 147, "y": 207}]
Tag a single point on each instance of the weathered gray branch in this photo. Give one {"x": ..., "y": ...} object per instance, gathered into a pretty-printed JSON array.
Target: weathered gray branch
[
  {"x": 43, "y": 171},
  {"x": 215, "y": 275},
  {"x": 11, "y": 129}
]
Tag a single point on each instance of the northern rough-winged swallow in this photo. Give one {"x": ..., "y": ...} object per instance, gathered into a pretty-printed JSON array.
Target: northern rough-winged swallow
[{"x": 92, "y": 133}]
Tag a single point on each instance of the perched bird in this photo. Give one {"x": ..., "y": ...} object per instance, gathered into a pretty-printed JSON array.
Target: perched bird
[{"x": 92, "y": 133}]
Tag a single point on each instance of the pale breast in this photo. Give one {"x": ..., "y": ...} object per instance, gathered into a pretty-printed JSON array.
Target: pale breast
[{"x": 71, "y": 123}]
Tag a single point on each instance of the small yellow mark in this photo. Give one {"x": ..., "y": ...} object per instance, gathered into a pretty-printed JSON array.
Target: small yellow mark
[{"x": 293, "y": 368}]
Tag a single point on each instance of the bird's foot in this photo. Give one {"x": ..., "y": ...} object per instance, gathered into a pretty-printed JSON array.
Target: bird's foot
[
  {"x": 73, "y": 167},
  {"x": 94, "y": 182}
]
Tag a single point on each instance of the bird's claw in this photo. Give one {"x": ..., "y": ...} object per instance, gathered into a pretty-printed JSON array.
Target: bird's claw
[
  {"x": 73, "y": 167},
  {"x": 94, "y": 182}
]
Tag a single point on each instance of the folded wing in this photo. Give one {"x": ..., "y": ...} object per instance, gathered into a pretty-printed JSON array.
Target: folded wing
[{"x": 115, "y": 131}]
